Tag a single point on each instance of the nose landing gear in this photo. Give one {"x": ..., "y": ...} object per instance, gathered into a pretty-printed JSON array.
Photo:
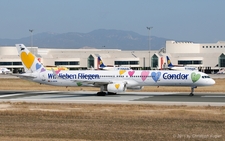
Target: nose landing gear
[{"x": 192, "y": 90}]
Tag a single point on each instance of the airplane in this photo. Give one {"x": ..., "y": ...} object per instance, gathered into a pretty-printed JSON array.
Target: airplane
[
  {"x": 5, "y": 71},
  {"x": 110, "y": 82},
  {"x": 102, "y": 66},
  {"x": 56, "y": 68},
  {"x": 181, "y": 68},
  {"x": 221, "y": 71}
]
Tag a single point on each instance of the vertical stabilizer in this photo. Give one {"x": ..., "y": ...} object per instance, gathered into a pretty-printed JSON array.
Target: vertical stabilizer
[
  {"x": 30, "y": 62},
  {"x": 169, "y": 63},
  {"x": 100, "y": 62}
]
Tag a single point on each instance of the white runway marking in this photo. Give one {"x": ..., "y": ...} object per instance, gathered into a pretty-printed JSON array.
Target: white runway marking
[
  {"x": 213, "y": 96},
  {"x": 27, "y": 93},
  {"x": 60, "y": 100},
  {"x": 8, "y": 95},
  {"x": 65, "y": 97}
]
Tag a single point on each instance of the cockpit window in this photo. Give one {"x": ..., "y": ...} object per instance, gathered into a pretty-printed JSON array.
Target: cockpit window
[{"x": 206, "y": 76}]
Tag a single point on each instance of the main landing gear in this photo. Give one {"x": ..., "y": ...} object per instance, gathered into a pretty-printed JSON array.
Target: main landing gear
[
  {"x": 110, "y": 93},
  {"x": 192, "y": 91},
  {"x": 101, "y": 93},
  {"x": 104, "y": 93},
  {"x": 102, "y": 89}
]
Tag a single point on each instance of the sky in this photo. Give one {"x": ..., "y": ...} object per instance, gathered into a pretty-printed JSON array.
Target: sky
[{"x": 191, "y": 20}]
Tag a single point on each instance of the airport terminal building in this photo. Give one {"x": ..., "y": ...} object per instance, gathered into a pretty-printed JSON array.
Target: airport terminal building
[{"x": 208, "y": 57}]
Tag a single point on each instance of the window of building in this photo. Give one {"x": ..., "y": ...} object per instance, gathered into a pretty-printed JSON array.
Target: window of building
[
  {"x": 17, "y": 63},
  {"x": 203, "y": 47},
  {"x": 222, "y": 60},
  {"x": 119, "y": 63},
  {"x": 91, "y": 61},
  {"x": 5, "y": 63},
  {"x": 60, "y": 63},
  {"x": 206, "y": 46},
  {"x": 10, "y": 63},
  {"x": 189, "y": 62},
  {"x": 197, "y": 62},
  {"x": 66, "y": 63},
  {"x": 154, "y": 61},
  {"x": 74, "y": 63}
]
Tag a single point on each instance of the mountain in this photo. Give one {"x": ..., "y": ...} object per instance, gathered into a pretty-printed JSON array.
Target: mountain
[{"x": 101, "y": 38}]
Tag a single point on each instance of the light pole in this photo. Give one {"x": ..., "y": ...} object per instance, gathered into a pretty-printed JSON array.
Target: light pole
[
  {"x": 149, "y": 48},
  {"x": 31, "y": 39}
]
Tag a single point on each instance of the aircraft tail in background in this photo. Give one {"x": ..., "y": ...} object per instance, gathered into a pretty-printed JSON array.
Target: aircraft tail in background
[
  {"x": 30, "y": 62},
  {"x": 181, "y": 68},
  {"x": 169, "y": 63},
  {"x": 100, "y": 62},
  {"x": 102, "y": 66}
]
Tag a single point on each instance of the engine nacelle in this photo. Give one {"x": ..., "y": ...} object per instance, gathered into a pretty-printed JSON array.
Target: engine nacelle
[
  {"x": 116, "y": 87},
  {"x": 135, "y": 88}
]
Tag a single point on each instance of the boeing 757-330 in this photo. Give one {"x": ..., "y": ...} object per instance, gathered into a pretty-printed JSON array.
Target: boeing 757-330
[{"x": 111, "y": 82}]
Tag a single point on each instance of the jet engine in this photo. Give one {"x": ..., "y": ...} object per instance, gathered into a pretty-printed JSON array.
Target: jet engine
[{"x": 116, "y": 87}]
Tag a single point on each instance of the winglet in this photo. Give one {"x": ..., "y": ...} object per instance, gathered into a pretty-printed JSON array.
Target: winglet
[
  {"x": 169, "y": 63},
  {"x": 30, "y": 62}
]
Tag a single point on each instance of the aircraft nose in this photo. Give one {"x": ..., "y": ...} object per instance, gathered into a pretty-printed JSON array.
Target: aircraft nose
[{"x": 212, "y": 82}]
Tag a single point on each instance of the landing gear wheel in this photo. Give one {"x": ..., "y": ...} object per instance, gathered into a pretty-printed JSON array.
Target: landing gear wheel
[
  {"x": 110, "y": 93},
  {"x": 191, "y": 94},
  {"x": 101, "y": 93},
  {"x": 192, "y": 91}
]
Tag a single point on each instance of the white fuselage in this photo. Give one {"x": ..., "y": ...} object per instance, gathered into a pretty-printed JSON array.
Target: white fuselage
[
  {"x": 114, "y": 68},
  {"x": 185, "y": 68},
  {"x": 5, "y": 71}
]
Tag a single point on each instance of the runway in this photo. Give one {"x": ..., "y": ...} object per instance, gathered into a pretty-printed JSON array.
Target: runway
[{"x": 162, "y": 98}]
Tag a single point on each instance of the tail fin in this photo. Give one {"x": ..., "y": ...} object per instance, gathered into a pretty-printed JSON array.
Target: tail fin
[
  {"x": 100, "y": 62},
  {"x": 169, "y": 63},
  {"x": 30, "y": 62}
]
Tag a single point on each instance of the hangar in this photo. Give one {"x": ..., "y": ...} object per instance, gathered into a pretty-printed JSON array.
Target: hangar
[{"x": 208, "y": 57}]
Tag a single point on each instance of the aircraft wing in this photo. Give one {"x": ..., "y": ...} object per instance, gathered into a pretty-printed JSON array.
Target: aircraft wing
[
  {"x": 95, "y": 83},
  {"x": 25, "y": 75},
  {"x": 104, "y": 82}
]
